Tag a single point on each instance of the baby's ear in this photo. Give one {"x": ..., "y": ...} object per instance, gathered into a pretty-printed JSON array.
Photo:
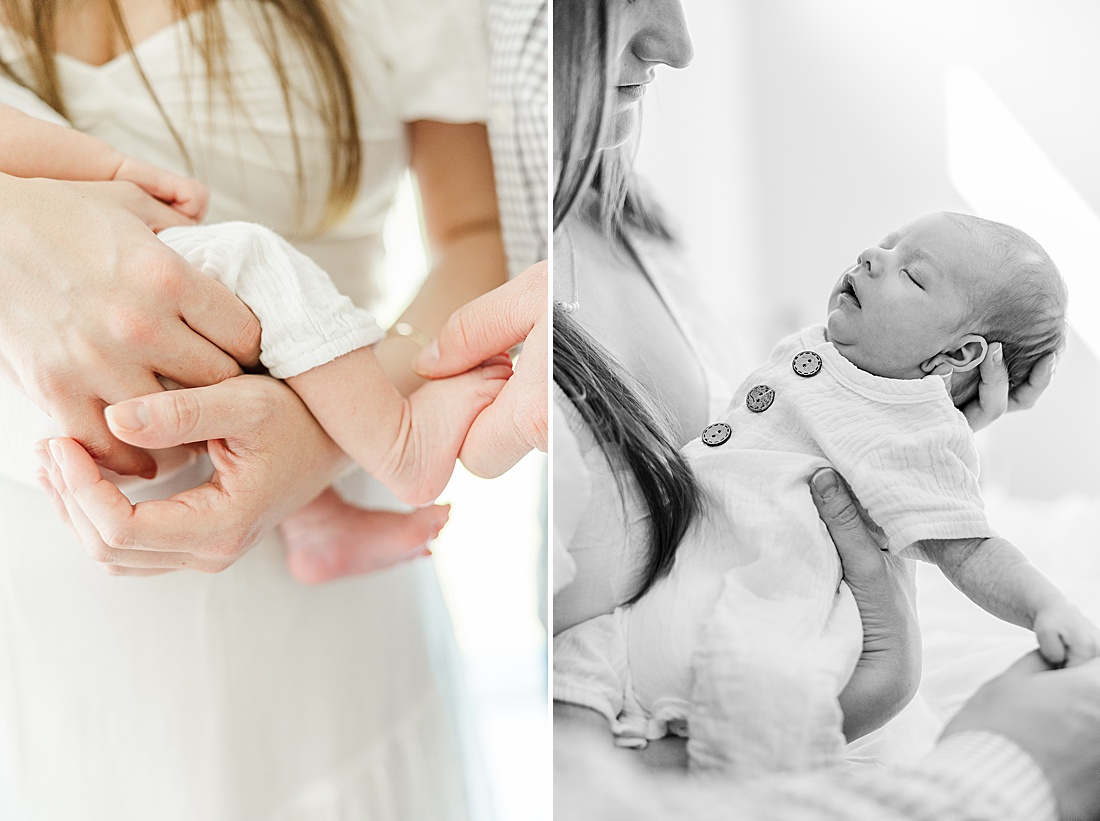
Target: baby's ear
[{"x": 969, "y": 354}]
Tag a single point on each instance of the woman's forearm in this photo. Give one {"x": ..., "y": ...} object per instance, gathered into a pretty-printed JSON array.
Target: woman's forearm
[
  {"x": 454, "y": 175},
  {"x": 468, "y": 265}
]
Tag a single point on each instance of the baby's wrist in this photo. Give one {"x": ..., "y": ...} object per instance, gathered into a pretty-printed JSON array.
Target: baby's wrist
[
  {"x": 119, "y": 162},
  {"x": 1046, "y": 603}
]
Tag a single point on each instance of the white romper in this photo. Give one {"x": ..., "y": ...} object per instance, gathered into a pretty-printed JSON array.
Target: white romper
[{"x": 745, "y": 645}]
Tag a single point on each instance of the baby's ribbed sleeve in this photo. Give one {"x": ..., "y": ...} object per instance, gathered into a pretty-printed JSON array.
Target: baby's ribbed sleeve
[
  {"x": 915, "y": 470},
  {"x": 305, "y": 320}
]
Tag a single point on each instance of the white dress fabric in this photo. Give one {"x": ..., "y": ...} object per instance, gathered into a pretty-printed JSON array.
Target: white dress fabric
[
  {"x": 751, "y": 637},
  {"x": 240, "y": 696}
]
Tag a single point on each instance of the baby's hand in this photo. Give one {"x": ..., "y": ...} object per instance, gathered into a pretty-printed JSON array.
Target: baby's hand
[
  {"x": 1065, "y": 636},
  {"x": 187, "y": 196}
]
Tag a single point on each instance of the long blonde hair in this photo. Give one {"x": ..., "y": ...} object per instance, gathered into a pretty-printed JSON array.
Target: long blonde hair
[{"x": 310, "y": 23}]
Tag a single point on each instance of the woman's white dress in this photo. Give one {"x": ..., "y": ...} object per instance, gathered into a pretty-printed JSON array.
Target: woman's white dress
[{"x": 242, "y": 695}]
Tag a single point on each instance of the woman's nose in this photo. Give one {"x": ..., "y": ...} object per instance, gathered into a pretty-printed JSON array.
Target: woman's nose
[{"x": 664, "y": 36}]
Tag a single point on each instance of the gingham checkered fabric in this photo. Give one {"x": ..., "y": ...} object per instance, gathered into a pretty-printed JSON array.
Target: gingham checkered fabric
[
  {"x": 973, "y": 776},
  {"x": 518, "y": 122}
]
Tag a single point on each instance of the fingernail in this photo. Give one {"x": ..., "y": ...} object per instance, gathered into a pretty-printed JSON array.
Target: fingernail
[
  {"x": 824, "y": 481},
  {"x": 58, "y": 456},
  {"x": 426, "y": 360},
  {"x": 131, "y": 416},
  {"x": 998, "y": 352}
]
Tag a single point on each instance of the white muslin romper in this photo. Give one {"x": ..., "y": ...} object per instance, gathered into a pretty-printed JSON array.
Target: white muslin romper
[{"x": 745, "y": 645}]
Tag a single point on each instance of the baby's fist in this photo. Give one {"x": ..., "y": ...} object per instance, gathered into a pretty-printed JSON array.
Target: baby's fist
[
  {"x": 1065, "y": 636},
  {"x": 187, "y": 196}
]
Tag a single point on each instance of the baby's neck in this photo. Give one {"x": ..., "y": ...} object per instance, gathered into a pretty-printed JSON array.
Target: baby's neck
[{"x": 914, "y": 373}]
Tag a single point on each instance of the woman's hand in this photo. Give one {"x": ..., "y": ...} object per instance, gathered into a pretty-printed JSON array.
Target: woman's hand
[
  {"x": 1053, "y": 716},
  {"x": 516, "y": 421},
  {"x": 888, "y": 671},
  {"x": 95, "y": 307},
  {"x": 270, "y": 457},
  {"x": 994, "y": 398}
]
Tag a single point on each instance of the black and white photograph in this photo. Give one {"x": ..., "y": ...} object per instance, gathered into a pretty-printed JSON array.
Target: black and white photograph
[{"x": 826, "y": 360}]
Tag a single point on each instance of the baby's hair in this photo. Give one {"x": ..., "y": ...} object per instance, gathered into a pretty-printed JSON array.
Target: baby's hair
[{"x": 1025, "y": 311}]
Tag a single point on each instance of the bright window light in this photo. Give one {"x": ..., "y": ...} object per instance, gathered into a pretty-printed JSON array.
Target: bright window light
[{"x": 1004, "y": 175}]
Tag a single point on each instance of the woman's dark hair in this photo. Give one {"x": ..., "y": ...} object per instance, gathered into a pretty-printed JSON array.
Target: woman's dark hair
[{"x": 631, "y": 434}]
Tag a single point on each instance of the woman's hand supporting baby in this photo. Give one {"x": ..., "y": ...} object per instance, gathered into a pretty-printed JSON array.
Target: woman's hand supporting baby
[
  {"x": 516, "y": 421},
  {"x": 270, "y": 457},
  {"x": 95, "y": 307},
  {"x": 994, "y": 398},
  {"x": 889, "y": 669}
]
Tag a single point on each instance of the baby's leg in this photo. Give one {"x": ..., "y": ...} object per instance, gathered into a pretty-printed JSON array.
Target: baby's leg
[
  {"x": 329, "y": 538},
  {"x": 409, "y": 444}
]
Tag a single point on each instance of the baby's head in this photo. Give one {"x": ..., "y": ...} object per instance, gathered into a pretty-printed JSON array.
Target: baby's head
[{"x": 931, "y": 296}]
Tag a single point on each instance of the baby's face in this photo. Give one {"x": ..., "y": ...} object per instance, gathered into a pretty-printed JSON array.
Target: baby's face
[{"x": 905, "y": 300}]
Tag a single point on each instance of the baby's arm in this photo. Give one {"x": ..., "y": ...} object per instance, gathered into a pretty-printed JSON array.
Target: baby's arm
[
  {"x": 315, "y": 339},
  {"x": 31, "y": 147},
  {"x": 1000, "y": 579}
]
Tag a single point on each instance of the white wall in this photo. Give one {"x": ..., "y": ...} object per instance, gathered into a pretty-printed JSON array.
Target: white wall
[{"x": 807, "y": 130}]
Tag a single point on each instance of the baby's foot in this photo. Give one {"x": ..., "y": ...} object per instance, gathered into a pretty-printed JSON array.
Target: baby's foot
[
  {"x": 329, "y": 538},
  {"x": 438, "y": 417}
]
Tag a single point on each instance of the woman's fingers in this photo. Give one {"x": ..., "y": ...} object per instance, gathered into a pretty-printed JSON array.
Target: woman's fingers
[
  {"x": 212, "y": 310},
  {"x": 992, "y": 399},
  {"x": 490, "y": 324},
  {"x": 1027, "y": 394},
  {"x": 117, "y": 533},
  {"x": 170, "y": 418},
  {"x": 82, "y": 418},
  {"x": 198, "y": 362},
  {"x": 859, "y": 552}
]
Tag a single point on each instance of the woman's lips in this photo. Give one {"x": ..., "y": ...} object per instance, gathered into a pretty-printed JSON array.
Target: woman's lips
[{"x": 631, "y": 94}]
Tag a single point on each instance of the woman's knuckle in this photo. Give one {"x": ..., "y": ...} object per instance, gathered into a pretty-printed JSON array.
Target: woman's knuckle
[
  {"x": 248, "y": 338},
  {"x": 118, "y": 537},
  {"x": 100, "y": 554},
  {"x": 132, "y": 326},
  {"x": 181, "y": 412},
  {"x": 165, "y": 275}
]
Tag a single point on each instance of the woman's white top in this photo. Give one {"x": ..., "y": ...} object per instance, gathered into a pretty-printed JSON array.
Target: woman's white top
[{"x": 242, "y": 695}]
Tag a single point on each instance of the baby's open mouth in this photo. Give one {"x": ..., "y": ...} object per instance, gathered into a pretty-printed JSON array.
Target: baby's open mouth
[{"x": 848, "y": 286}]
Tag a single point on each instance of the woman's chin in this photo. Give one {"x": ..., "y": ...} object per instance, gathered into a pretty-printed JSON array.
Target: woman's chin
[{"x": 622, "y": 126}]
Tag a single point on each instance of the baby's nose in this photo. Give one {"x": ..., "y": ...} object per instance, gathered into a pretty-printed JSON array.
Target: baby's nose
[{"x": 869, "y": 260}]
